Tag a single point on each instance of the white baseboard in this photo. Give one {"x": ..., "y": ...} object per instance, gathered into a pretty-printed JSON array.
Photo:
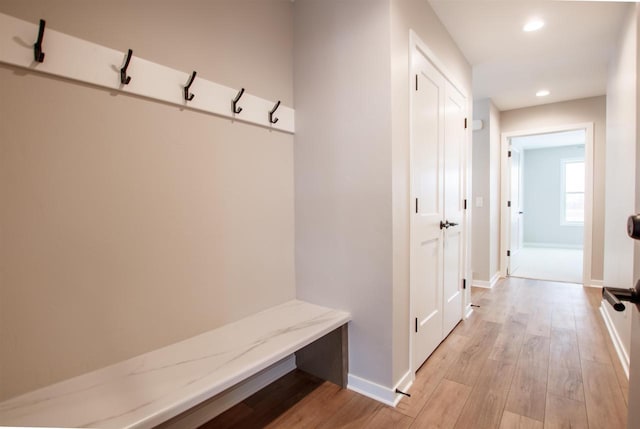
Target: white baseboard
[
  {"x": 553, "y": 245},
  {"x": 615, "y": 338},
  {"x": 200, "y": 414},
  {"x": 386, "y": 395},
  {"x": 595, "y": 283},
  {"x": 486, "y": 284},
  {"x": 468, "y": 311},
  {"x": 403, "y": 385}
]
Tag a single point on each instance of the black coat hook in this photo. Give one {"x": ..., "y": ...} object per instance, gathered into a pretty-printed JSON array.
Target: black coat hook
[
  {"x": 234, "y": 102},
  {"x": 38, "y": 55},
  {"x": 188, "y": 96},
  {"x": 124, "y": 79},
  {"x": 272, "y": 111}
]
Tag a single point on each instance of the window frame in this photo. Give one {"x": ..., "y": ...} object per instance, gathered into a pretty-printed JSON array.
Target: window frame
[{"x": 563, "y": 191}]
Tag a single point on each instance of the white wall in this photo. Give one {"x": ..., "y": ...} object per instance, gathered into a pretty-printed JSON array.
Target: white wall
[
  {"x": 621, "y": 186},
  {"x": 542, "y": 197},
  {"x": 565, "y": 113},
  {"x": 486, "y": 185}
]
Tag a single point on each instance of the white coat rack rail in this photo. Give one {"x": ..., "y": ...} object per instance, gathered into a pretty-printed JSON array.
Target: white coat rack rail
[{"x": 36, "y": 47}]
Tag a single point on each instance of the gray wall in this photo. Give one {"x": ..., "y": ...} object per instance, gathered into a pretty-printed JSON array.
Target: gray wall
[
  {"x": 573, "y": 112},
  {"x": 486, "y": 185},
  {"x": 343, "y": 171},
  {"x": 129, "y": 224},
  {"x": 542, "y": 195}
]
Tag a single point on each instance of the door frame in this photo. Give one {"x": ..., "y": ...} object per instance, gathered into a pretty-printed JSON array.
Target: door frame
[
  {"x": 416, "y": 44},
  {"x": 505, "y": 187}
]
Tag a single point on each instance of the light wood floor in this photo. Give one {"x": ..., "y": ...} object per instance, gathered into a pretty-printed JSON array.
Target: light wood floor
[{"x": 535, "y": 354}]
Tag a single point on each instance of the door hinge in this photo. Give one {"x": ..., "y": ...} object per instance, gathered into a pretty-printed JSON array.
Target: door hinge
[
  {"x": 416, "y": 82},
  {"x": 464, "y": 283},
  {"x": 508, "y": 203},
  {"x": 416, "y": 205},
  {"x": 508, "y": 252},
  {"x": 465, "y": 204},
  {"x": 509, "y": 154},
  {"x": 416, "y": 324}
]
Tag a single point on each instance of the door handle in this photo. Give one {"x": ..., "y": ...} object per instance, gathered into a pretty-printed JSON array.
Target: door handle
[
  {"x": 615, "y": 295},
  {"x": 447, "y": 224}
]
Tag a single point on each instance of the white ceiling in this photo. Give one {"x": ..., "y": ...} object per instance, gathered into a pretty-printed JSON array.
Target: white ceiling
[{"x": 568, "y": 56}]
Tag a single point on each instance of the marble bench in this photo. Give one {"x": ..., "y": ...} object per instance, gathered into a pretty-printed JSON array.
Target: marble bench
[{"x": 147, "y": 390}]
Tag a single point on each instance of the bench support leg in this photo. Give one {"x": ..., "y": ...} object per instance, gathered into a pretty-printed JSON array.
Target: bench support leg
[{"x": 327, "y": 357}]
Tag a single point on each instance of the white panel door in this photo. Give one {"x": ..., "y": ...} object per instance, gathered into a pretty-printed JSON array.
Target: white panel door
[
  {"x": 516, "y": 210},
  {"x": 454, "y": 112},
  {"x": 427, "y": 136}
]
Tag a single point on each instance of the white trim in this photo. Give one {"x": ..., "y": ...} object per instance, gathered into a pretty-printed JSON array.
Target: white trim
[
  {"x": 487, "y": 284},
  {"x": 563, "y": 190},
  {"x": 552, "y": 245},
  {"x": 615, "y": 338},
  {"x": 595, "y": 283},
  {"x": 416, "y": 42},
  {"x": 80, "y": 60},
  {"x": 505, "y": 190},
  {"x": 372, "y": 390},
  {"x": 468, "y": 311},
  {"x": 200, "y": 414},
  {"x": 404, "y": 385}
]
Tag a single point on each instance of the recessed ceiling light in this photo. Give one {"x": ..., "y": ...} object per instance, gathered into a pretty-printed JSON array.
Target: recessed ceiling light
[
  {"x": 533, "y": 25},
  {"x": 542, "y": 93}
]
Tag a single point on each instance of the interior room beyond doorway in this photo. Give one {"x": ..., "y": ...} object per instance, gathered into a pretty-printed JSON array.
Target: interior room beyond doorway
[{"x": 548, "y": 205}]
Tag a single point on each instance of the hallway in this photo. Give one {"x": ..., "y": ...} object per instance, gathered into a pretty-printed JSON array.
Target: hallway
[{"x": 534, "y": 354}]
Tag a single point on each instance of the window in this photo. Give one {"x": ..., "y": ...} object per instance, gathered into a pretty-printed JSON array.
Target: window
[{"x": 573, "y": 192}]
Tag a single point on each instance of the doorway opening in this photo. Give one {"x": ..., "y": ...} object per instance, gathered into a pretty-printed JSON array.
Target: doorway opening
[{"x": 547, "y": 212}]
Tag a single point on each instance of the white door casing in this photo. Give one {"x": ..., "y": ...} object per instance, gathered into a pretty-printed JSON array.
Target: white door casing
[
  {"x": 437, "y": 158},
  {"x": 505, "y": 190},
  {"x": 516, "y": 212},
  {"x": 454, "y": 112}
]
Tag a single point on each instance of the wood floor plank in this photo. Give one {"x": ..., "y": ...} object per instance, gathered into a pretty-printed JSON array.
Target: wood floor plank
[
  {"x": 444, "y": 407},
  {"x": 563, "y": 413},
  {"x": 388, "y": 418},
  {"x": 540, "y": 323},
  {"x": 429, "y": 375},
  {"x": 515, "y": 421},
  {"x": 564, "y": 350},
  {"x": 466, "y": 368},
  {"x": 358, "y": 412},
  {"x": 566, "y": 382},
  {"x": 603, "y": 396},
  {"x": 485, "y": 405},
  {"x": 527, "y": 394},
  {"x": 593, "y": 347},
  {"x": 535, "y": 351},
  {"x": 507, "y": 346},
  {"x": 563, "y": 319},
  {"x": 312, "y": 411}
]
